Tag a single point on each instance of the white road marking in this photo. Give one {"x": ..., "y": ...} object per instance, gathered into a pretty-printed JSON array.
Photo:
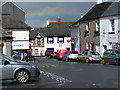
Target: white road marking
[{"x": 59, "y": 79}]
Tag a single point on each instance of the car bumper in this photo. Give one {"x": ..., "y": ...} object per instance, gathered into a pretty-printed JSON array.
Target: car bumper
[
  {"x": 35, "y": 73},
  {"x": 95, "y": 59}
]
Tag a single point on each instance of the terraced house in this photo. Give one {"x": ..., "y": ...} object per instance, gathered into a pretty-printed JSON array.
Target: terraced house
[
  {"x": 90, "y": 27},
  {"x": 57, "y": 36},
  {"x": 13, "y": 24},
  {"x": 110, "y": 28}
]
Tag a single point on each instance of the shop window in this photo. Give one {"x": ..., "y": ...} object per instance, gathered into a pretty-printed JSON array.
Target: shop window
[{"x": 36, "y": 51}]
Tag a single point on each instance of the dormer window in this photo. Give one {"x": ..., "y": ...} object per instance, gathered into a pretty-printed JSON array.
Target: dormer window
[
  {"x": 50, "y": 40},
  {"x": 60, "y": 40}
]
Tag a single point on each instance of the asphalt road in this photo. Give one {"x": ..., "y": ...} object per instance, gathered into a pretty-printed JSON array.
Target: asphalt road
[{"x": 61, "y": 74}]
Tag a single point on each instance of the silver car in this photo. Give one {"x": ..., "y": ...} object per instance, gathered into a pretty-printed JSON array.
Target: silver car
[
  {"x": 71, "y": 55},
  {"x": 21, "y": 71},
  {"x": 88, "y": 56}
]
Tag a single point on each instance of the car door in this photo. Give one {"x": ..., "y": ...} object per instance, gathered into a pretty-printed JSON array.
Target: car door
[
  {"x": 7, "y": 72},
  {"x": 112, "y": 56},
  {"x": 83, "y": 56},
  {"x": 107, "y": 55}
]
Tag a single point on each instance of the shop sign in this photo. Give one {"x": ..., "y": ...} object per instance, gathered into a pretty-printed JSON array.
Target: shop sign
[
  {"x": 19, "y": 45},
  {"x": 113, "y": 38}
]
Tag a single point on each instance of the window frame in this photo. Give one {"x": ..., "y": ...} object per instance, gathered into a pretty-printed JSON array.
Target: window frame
[
  {"x": 50, "y": 42},
  {"x": 60, "y": 41}
]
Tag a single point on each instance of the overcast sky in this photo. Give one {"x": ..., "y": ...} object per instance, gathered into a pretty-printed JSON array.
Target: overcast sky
[{"x": 38, "y": 12}]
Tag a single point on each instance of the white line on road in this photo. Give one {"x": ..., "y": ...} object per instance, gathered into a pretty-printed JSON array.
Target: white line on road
[{"x": 59, "y": 79}]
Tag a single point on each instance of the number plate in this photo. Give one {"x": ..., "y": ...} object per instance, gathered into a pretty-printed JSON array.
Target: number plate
[{"x": 96, "y": 59}]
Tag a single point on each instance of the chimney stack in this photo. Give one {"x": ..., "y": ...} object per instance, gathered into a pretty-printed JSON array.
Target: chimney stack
[
  {"x": 47, "y": 22},
  {"x": 58, "y": 19}
]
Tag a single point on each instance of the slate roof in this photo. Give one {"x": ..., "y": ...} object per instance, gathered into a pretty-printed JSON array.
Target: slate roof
[
  {"x": 96, "y": 11},
  {"x": 113, "y": 10},
  {"x": 10, "y": 22},
  {"x": 58, "y": 29},
  {"x": 35, "y": 32}
]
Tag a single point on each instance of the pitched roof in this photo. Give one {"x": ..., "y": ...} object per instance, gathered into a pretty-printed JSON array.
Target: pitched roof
[
  {"x": 58, "y": 29},
  {"x": 10, "y": 22},
  {"x": 35, "y": 32},
  {"x": 96, "y": 11},
  {"x": 113, "y": 10}
]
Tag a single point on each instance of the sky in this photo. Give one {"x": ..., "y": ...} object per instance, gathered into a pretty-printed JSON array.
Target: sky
[{"x": 38, "y": 12}]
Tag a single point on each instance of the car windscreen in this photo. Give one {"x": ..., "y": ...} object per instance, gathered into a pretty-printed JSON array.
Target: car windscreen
[
  {"x": 51, "y": 52},
  {"x": 94, "y": 53},
  {"x": 73, "y": 52},
  {"x": 117, "y": 51}
]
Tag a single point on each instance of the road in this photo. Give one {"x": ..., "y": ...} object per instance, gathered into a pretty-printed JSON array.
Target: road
[{"x": 61, "y": 74}]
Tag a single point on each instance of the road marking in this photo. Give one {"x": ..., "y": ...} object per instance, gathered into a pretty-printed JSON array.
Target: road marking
[{"x": 59, "y": 79}]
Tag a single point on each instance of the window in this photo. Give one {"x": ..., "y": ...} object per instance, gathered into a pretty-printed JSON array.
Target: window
[
  {"x": 97, "y": 26},
  {"x": 112, "y": 27},
  {"x": 36, "y": 51},
  {"x": 87, "y": 45},
  {"x": 50, "y": 40},
  {"x": 107, "y": 52},
  {"x": 87, "y": 26},
  {"x": 60, "y": 39},
  {"x": 38, "y": 41}
]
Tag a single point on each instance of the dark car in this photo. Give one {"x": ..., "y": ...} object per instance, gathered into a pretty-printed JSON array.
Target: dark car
[
  {"x": 111, "y": 56},
  {"x": 21, "y": 71},
  {"x": 49, "y": 54}
]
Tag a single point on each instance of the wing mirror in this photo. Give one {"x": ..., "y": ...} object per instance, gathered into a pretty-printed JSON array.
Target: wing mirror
[{"x": 6, "y": 62}]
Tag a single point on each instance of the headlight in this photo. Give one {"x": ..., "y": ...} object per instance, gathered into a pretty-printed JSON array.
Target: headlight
[{"x": 33, "y": 66}]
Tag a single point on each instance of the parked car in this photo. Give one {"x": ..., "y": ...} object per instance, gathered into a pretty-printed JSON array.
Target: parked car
[
  {"x": 111, "y": 56},
  {"x": 16, "y": 55},
  {"x": 71, "y": 55},
  {"x": 49, "y": 54},
  {"x": 88, "y": 56},
  {"x": 21, "y": 71},
  {"x": 60, "y": 53}
]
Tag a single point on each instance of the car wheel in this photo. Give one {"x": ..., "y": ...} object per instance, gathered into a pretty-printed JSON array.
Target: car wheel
[
  {"x": 103, "y": 62},
  {"x": 87, "y": 60},
  {"x": 22, "y": 76},
  {"x": 117, "y": 62},
  {"x": 66, "y": 60}
]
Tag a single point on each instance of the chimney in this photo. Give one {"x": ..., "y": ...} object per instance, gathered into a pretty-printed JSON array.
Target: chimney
[
  {"x": 58, "y": 19},
  {"x": 47, "y": 22},
  {"x": 81, "y": 15}
]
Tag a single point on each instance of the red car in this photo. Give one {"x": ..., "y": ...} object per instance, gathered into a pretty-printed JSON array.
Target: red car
[{"x": 60, "y": 53}]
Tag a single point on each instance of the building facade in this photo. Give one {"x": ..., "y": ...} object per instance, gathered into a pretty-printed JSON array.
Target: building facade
[
  {"x": 57, "y": 36},
  {"x": 109, "y": 28},
  {"x": 37, "y": 42},
  {"x": 75, "y": 37},
  {"x": 90, "y": 28}
]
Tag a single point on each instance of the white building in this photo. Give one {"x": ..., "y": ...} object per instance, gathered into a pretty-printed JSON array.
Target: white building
[
  {"x": 109, "y": 28},
  {"x": 75, "y": 37},
  {"x": 57, "y": 36}
]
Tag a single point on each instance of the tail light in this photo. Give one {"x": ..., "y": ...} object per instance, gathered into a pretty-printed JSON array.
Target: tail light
[
  {"x": 78, "y": 54},
  {"x": 90, "y": 55},
  {"x": 68, "y": 54}
]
